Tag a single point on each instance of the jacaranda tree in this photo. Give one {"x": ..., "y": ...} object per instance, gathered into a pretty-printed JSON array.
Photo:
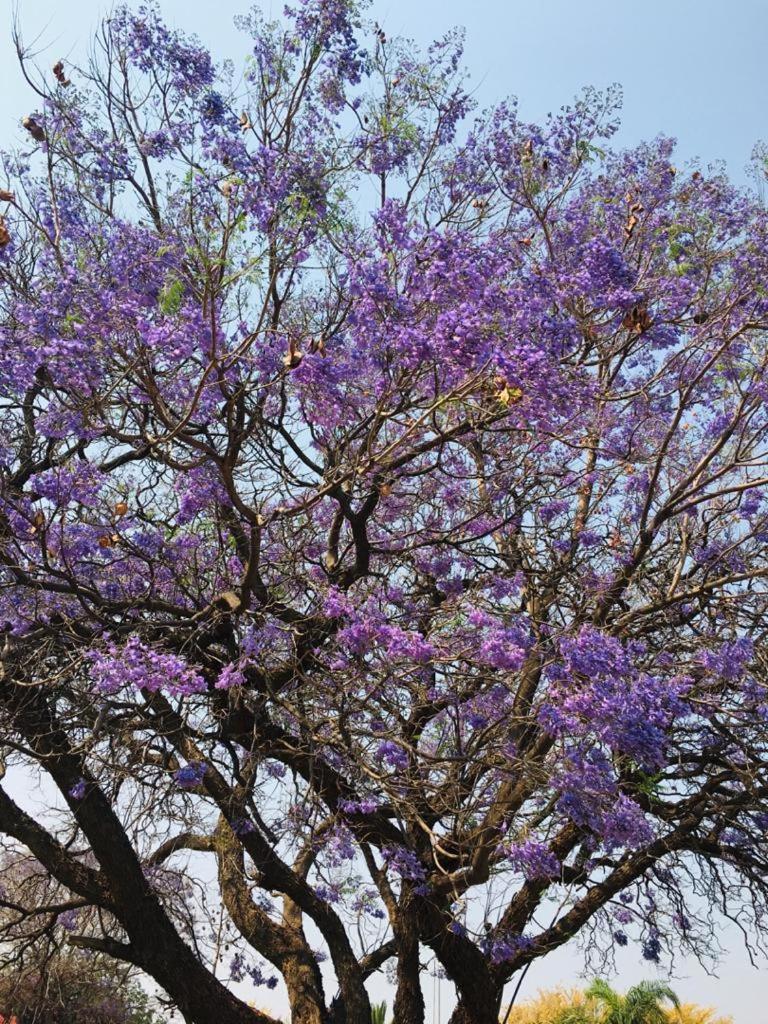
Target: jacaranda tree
[{"x": 384, "y": 526}]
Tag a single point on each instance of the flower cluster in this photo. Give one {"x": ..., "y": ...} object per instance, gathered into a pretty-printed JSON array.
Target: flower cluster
[
  {"x": 437, "y": 522},
  {"x": 404, "y": 862},
  {"x": 134, "y": 664},
  {"x": 190, "y": 776}
]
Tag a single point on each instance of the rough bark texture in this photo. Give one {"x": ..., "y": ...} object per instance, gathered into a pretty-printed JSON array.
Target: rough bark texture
[
  {"x": 409, "y": 999},
  {"x": 283, "y": 945},
  {"x": 480, "y": 1007}
]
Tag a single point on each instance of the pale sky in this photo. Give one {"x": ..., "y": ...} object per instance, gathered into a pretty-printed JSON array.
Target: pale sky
[{"x": 693, "y": 69}]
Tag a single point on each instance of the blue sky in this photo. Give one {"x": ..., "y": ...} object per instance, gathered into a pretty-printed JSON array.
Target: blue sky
[{"x": 692, "y": 69}]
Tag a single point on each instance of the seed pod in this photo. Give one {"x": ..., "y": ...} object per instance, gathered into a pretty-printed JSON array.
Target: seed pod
[
  {"x": 638, "y": 319},
  {"x": 58, "y": 70},
  {"x": 293, "y": 356},
  {"x": 34, "y": 129},
  {"x": 629, "y": 227}
]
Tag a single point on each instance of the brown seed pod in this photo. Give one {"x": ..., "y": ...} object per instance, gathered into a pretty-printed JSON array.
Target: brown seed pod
[
  {"x": 638, "y": 319},
  {"x": 629, "y": 227},
  {"x": 293, "y": 356},
  {"x": 34, "y": 129},
  {"x": 58, "y": 71}
]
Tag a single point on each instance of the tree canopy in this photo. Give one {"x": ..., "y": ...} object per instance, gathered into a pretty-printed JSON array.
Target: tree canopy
[{"x": 383, "y": 522}]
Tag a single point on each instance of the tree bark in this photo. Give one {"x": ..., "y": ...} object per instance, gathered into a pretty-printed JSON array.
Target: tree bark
[
  {"x": 277, "y": 875},
  {"x": 154, "y": 943},
  {"x": 284, "y": 945},
  {"x": 409, "y": 998},
  {"x": 481, "y": 1007}
]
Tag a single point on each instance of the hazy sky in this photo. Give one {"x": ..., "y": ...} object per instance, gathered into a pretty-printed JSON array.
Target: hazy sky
[{"x": 693, "y": 69}]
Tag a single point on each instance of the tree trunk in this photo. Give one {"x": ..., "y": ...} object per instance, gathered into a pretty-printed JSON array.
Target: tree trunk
[
  {"x": 154, "y": 943},
  {"x": 355, "y": 1006},
  {"x": 484, "y": 1009},
  {"x": 284, "y": 945},
  {"x": 479, "y": 992},
  {"x": 409, "y": 998},
  {"x": 305, "y": 992}
]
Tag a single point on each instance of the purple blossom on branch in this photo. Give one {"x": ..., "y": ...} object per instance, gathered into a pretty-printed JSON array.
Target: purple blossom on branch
[
  {"x": 191, "y": 775},
  {"x": 436, "y": 521}
]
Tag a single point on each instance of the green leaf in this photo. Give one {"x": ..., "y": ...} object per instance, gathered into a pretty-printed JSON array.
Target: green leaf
[{"x": 171, "y": 297}]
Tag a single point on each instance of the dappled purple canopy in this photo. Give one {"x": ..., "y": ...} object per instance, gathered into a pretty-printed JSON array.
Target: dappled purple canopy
[{"x": 382, "y": 520}]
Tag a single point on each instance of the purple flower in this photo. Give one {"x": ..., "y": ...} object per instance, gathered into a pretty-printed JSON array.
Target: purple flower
[
  {"x": 652, "y": 949},
  {"x": 136, "y": 664},
  {"x": 68, "y": 920},
  {"x": 328, "y": 893},
  {"x": 78, "y": 791},
  {"x": 338, "y": 845},
  {"x": 213, "y": 108},
  {"x": 368, "y": 805},
  {"x": 191, "y": 775},
  {"x": 533, "y": 859},
  {"x": 404, "y": 863},
  {"x": 502, "y": 949},
  {"x": 597, "y": 691},
  {"x": 231, "y": 675},
  {"x": 393, "y": 754}
]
